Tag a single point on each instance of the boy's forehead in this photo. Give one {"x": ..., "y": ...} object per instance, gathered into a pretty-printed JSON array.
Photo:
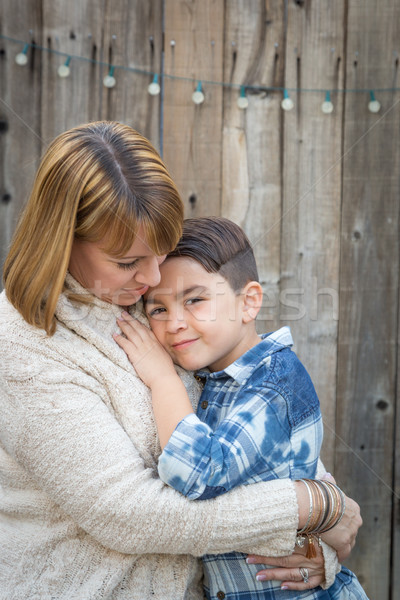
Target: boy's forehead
[
  {"x": 181, "y": 274},
  {"x": 180, "y": 268}
]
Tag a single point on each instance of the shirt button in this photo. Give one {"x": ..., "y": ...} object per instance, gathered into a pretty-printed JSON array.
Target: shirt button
[
  {"x": 204, "y": 405},
  {"x": 220, "y": 595}
]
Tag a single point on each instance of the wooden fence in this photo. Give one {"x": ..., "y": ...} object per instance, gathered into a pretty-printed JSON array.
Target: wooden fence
[{"x": 317, "y": 193}]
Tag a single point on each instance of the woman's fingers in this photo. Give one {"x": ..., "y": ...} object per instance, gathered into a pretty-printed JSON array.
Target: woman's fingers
[
  {"x": 296, "y": 572},
  {"x": 302, "y": 585},
  {"x": 294, "y": 560},
  {"x": 292, "y": 579},
  {"x": 137, "y": 340},
  {"x": 130, "y": 331},
  {"x": 134, "y": 330}
]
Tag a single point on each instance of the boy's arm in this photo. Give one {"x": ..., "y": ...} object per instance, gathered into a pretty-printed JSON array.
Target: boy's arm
[
  {"x": 154, "y": 366},
  {"x": 256, "y": 439}
]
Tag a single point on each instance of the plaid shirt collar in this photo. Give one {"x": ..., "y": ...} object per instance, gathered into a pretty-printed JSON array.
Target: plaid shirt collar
[{"x": 261, "y": 353}]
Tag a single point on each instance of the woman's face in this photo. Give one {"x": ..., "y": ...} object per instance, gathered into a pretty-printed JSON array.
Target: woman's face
[{"x": 117, "y": 280}]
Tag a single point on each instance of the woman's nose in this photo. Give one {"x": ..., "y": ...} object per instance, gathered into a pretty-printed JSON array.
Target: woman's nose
[{"x": 149, "y": 271}]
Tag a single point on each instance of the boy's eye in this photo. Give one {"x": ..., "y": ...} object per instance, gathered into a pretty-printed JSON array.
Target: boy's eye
[
  {"x": 194, "y": 300},
  {"x": 156, "y": 311},
  {"x": 127, "y": 266}
]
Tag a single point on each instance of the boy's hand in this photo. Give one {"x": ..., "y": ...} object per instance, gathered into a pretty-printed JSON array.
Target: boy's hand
[
  {"x": 156, "y": 369},
  {"x": 144, "y": 351}
]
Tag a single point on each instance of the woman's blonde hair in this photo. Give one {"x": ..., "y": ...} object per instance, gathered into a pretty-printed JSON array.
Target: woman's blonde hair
[{"x": 99, "y": 181}]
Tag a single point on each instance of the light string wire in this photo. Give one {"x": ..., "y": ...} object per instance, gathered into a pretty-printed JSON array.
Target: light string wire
[{"x": 195, "y": 80}]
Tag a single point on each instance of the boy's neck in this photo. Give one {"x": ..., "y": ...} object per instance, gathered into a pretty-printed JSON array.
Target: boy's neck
[{"x": 249, "y": 340}]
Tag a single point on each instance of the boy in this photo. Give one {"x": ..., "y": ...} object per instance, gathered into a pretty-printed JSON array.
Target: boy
[{"x": 258, "y": 417}]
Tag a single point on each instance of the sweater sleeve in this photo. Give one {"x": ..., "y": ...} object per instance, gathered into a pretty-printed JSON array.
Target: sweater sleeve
[
  {"x": 62, "y": 433},
  {"x": 254, "y": 441}
]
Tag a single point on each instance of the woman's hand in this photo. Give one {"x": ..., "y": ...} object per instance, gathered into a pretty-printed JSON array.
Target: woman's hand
[
  {"x": 296, "y": 572},
  {"x": 343, "y": 536},
  {"x": 144, "y": 351}
]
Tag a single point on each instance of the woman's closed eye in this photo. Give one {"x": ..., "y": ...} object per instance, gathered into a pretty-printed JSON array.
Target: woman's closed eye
[{"x": 128, "y": 266}]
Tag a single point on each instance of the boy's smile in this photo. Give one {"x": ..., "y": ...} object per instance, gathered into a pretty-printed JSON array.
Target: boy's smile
[{"x": 197, "y": 317}]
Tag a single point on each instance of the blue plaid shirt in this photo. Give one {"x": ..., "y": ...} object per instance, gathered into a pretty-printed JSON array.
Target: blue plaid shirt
[{"x": 258, "y": 419}]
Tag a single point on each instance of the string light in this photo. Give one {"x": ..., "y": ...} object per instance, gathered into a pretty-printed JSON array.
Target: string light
[
  {"x": 327, "y": 106},
  {"x": 242, "y": 101},
  {"x": 287, "y": 103},
  {"x": 154, "y": 88},
  {"x": 373, "y": 105},
  {"x": 64, "y": 70},
  {"x": 109, "y": 80},
  {"x": 21, "y": 59},
  {"x": 198, "y": 96}
]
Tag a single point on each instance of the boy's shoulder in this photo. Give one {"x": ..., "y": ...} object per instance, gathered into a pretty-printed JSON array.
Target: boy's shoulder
[
  {"x": 279, "y": 368},
  {"x": 275, "y": 353}
]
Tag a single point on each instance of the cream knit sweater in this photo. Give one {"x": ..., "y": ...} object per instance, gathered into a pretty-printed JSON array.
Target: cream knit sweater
[{"x": 83, "y": 514}]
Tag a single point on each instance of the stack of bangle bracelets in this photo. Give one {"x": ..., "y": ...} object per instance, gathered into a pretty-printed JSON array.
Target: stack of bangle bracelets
[{"x": 327, "y": 506}]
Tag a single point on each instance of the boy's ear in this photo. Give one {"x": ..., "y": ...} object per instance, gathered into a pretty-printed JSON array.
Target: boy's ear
[{"x": 252, "y": 300}]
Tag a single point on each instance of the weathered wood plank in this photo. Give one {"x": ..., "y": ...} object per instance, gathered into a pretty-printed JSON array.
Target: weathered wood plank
[
  {"x": 395, "y": 550},
  {"x": 311, "y": 198},
  {"x": 193, "y": 133},
  {"x": 133, "y": 37},
  {"x": 76, "y": 29},
  {"x": 251, "y": 148},
  {"x": 20, "y": 101},
  {"x": 369, "y": 288}
]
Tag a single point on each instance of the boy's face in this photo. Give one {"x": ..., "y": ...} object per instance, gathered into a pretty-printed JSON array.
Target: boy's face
[{"x": 196, "y": 316}]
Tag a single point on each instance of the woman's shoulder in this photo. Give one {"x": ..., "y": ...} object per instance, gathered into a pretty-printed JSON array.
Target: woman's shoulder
[
  {"x": 12, "y": 323},
  {"x": 19, "y": 338}
]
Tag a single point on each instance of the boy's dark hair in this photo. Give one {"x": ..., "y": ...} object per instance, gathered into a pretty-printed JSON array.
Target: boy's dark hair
[{"x": 220, "y": 246}]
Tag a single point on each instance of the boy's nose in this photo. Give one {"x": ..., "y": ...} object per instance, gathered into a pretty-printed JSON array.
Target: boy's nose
[{"x": 176, "y": 323}]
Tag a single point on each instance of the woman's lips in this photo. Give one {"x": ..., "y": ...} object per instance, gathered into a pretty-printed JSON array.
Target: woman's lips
[{"x": 139, "y": 291}]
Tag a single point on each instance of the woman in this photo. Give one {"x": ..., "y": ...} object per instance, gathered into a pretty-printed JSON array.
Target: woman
[{"x": 84, "y": 514}]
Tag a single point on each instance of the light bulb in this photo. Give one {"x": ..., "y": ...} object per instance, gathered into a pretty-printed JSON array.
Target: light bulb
[
  {"x": 327, "y": 106},
  {"x": 374, "y": 106},
  {"x": 63, "y": 71},
  {"x": 154, "y": 88},
  {"x": 109, "y": 81},
  {"x": 287, "y": 104},
  {"x": 198, "y": 97},
  {"x": 21, "y": 59}
]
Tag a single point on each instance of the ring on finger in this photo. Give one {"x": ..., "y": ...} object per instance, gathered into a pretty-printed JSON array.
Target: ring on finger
[{"x": 304, "y": 573}]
